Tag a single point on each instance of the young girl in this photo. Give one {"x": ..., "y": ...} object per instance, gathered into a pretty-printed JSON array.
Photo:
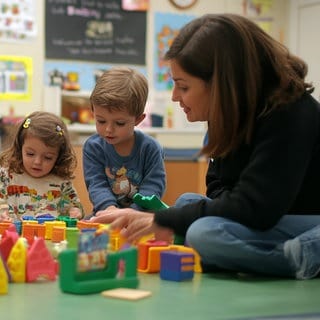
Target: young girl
[{"x": 36, "y": 170}]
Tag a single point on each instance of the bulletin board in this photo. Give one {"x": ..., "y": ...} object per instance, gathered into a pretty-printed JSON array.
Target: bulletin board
[
  {"x": 15, "y": 78},
  {"x": 96, "y": 31}
]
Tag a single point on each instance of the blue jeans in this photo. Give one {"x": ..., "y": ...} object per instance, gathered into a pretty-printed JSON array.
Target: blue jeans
[{"x": 290, "y": 249}]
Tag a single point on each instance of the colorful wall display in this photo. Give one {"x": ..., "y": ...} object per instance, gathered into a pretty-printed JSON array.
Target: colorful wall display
[
  {"x": 15, "y": 78},
  {"x": 17, "y": 20},
  {"x": 167, "y": 27}
]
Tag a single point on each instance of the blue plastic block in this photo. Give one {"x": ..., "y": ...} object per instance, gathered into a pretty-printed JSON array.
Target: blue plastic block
[
  {"x": 176, "y": 265},
  {"x": 176, "y": 276},
  {"x": 175, "y": 260},
  {"x": 18, "y": 225}
]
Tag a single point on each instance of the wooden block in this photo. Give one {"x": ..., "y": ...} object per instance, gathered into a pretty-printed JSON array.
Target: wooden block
[{"x": 126, "y": 293}]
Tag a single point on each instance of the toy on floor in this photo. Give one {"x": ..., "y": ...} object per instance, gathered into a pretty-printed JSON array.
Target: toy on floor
[
  {"x": 176, "y": 265},
  {"x": 40, "y": 263},
  {"x": 26, "y": 262},
  {"x": 149, "y": 202},
  {"x": 149, "y": 255},
  {"x": 4, "y": 278},
  {"x": 29, "y": 264},
  {"x": 126, "y": 293},
  {"x": 119, "y": 268},
  {"x": 9, "y": 238},
  {"x": 92, "y": 249},
  {"x": 17, "y": 261},
  {"x": 154, "y": 203}
]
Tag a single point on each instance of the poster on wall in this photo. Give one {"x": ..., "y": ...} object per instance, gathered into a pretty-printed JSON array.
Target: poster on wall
[
  {"x": 97, "y": 31},
  {"x": 167, "y": 26},
  {"x": 15, "y": 78},
  {"x": 17, "y": 20},
  {"x": 259, "y": 11},
  {"x": 256, "y": 8}
]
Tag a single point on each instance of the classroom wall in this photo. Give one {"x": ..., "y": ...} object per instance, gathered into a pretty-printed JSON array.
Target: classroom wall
[
  {"x": 34, "y": 48},
  {"x": 303, "y": 37}
]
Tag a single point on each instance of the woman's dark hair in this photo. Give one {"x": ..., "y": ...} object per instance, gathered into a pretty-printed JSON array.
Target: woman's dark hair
[{"x": 250, "y": 74}]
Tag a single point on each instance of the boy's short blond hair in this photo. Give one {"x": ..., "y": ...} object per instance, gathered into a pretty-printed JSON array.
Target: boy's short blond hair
[{"x": 121, "y": 88}]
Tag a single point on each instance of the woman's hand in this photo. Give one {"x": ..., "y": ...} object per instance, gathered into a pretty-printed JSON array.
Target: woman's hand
[
  {"x": 4, "y": 213},
  {"x": 133, "y": 224}
]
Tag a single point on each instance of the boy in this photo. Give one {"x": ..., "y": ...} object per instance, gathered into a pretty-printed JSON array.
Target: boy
[{"x": 118, "y": 160}]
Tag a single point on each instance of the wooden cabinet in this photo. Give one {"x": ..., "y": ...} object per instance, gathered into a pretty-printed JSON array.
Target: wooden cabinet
[
  {"x": 182, "y": 176},
  {"x": 79, "y": 183}
]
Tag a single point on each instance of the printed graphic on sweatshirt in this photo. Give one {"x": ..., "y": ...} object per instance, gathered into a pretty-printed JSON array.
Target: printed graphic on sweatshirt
[{"x": 124, "y": 184}]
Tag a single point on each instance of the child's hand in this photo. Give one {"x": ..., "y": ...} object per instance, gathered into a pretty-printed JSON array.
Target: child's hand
[
  {"x": 108, "y": 210},
  {"x": 75, "y": 213},
  {"x": 4, "y": 215}
]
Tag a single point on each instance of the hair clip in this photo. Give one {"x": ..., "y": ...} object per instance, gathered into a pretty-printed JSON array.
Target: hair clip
[
  {"x": 59, "y": 130},
  {"x": 27, "y": 123}
]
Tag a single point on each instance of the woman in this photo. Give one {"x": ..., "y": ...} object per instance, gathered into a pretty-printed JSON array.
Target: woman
[{"x": 262, "y": 209}]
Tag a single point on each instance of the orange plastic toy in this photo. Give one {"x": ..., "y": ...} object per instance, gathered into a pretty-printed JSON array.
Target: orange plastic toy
[{"x": 149, "y": 255}]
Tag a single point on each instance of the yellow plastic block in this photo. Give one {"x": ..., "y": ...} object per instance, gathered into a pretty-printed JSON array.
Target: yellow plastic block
[
  {"x": 49, "y": 227},
  {"x": 3, "y": 279},
  {"x": 17, "y": 261},
  {"x": 197, "y": 264}
]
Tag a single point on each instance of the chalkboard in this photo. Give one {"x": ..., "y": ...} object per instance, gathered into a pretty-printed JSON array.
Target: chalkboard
[{"x": 94, "y": 30}]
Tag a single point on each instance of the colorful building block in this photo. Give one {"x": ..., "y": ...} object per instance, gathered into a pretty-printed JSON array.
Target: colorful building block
[
  {"x": 149, "y": 202},
  {"x": 4, "y": 226},
  {"x": 45, "y": 217},
  {"x": 18, "y": 225},
  {"x": 32, "y": 230},
  {"x": 17, "y": 261},
  {"x": 70, "y": 222},
  {"x": 58, "y": 234},
  {"x": 197, "y": 260},
  {"x": 40, "y": 263},
  {"x": 154, "y": 203},
  {"x": 94, "y": 281},
  {"x": 72, "y": 236},
  {"x": 9, "y": 238},
  {"x": 116, "y": 241},
  {"x": 149, "y": 255},
  {"x": 4, "y": 279},
  {"x": 176, "y": 265},
  {"x": 81, "y": 224},
  {"x": 49, "y": 227}
]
